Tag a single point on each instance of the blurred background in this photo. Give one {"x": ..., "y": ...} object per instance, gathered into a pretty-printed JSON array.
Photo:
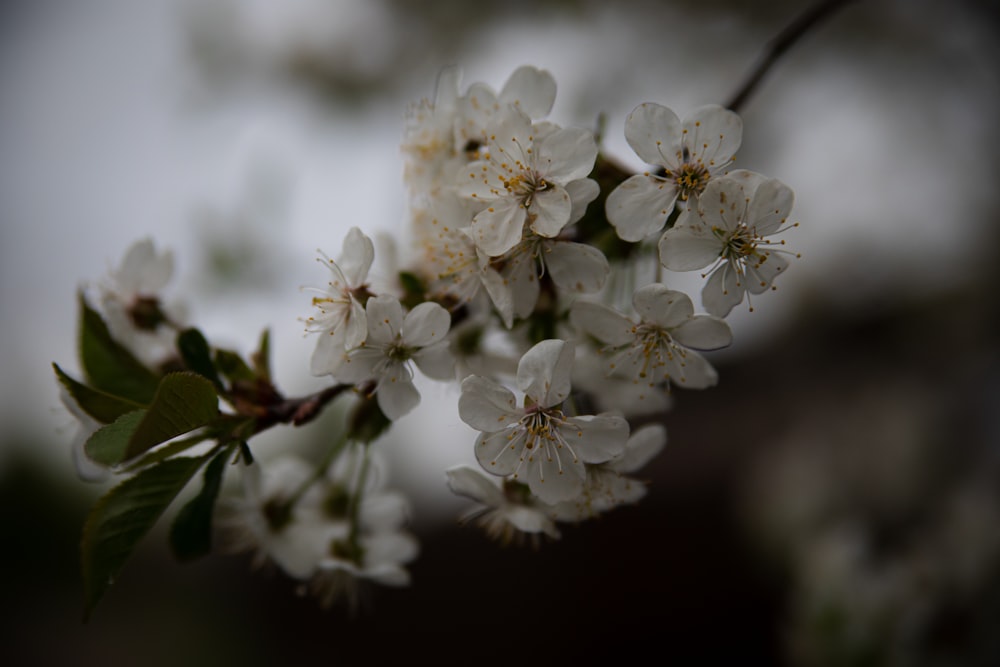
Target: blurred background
[{"x": 834, "y": 501}]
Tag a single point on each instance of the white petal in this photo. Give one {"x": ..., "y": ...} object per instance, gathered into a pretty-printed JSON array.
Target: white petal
[
  {"x": 644, "y": 443},
  {"x": 329, "y": 353},
  {"x": 356, "y": 328},
  {"x": 723, "y": 204},
  {"x": 383, "y": 511},
  {"x": 722, "y": 291},
  {"x": 713, "y": 135},
  {"x": 770, "y": 207},
  {"x": 695, "y": 372},
  {"x": 427, "y": 323},
  {"x": 703, "y": 332},
  {"x": 356, "y": 258},
  {"x": 499, "y": 227},
  {"x": 385, "y": 318},
  {"x": 521, "y": 275},
  {"x": 470, "y": 483},
  {"x": 654, "y": 133},
  {"x": 553, "y": 483},
  {"x": 596, "y": 438},
  {"x": 688, "y": 248},
  {"x": 396, "y": 394},
  {"x": 359, "y": 364},
  {"x": 543, "y": 373},
  {"x": 581, "y": 192},
  {"x": 500, "y": 294},
  {"x": 550, "y": 211},
  {"x": 500, "y": 453},
  {"x": 640, "y": 206},
  {"x": 604, "y": 323},
  {"x": 567, "y": 155},
  {"x": 576, "y": 267},
  {"x": 657, "y": 304},
  {"x": 485, "y": 405},
  {"x": 436, "y": 361},
  {"x": 531, "y": 89},
  {"x": 762, "y": 272},
  {"x": 510, "y": 137},
  {"x": 142, "y": 271}
]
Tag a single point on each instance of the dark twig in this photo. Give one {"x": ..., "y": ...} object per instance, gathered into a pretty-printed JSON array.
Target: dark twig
[{"x": 777, "y": 47}]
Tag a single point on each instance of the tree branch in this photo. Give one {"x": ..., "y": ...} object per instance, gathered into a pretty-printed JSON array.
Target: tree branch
[{"x": 777, "y": 47}]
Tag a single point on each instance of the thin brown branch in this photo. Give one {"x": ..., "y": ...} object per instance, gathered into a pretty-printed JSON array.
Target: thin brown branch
[{"x": 777, "y": 47}]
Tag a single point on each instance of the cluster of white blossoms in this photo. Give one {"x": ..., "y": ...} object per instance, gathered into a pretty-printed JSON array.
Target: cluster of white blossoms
[
  {"x": 536, "y": 281},
  {"x": 507, "y": 290}
]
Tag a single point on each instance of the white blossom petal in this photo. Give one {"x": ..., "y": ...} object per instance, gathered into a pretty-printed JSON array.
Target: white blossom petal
[
  {"x": 555, "y": 481},
  {"x": 499, "y": 227},
  {"x": 436, "y": 361},
  {"x": 604, "y": 323},
  {"x": 567, "y": 154},
  {"x": 657, "y": 304},
  {"x": 597, "y": 438},
  {"x": 550, "y": 210},
  {"x": 425, "y": 324},
  {"x": 640, "y": 206},
  {"x": 645, "y": 443},
  {"x": 654, "y": 133},
  {"x": 713, "y": 134},
  {"x": 543, "y": 373},
  {"x": 688, "y": 248},
  {"x": 703, "y": 332},
  {"x": 581, "y": 192},
  {"x": 385, "y": 318},
  {"x": 530, "y": 89},
  {"x": 356, "y": 258},
  {"x": 396, "y": 394},
  {"x": 485, "y": 405},
  {"x": 576, "y": 267},
  {"x": 722, "y": 291},
  {"x": 470, "y": 483}
]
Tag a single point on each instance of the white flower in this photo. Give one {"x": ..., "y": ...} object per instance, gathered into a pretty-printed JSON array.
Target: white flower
[
  {"x": 529, "y": 89},
  {"x": 443, "y": 135},
  {"x": 378, "y": 558},
  {"x": 690, "y": 154},
  {"x": 393, "y": 341},
  {"x": 538, "y": 443},
  {"x": 729, "y": 227},
  {"x": 341, "y": 318},
  {"x": 615, "y": 393},
  {"x": 573, "y": 267},
  {"x": 525, "y": 179},
  {"x": 660, "y": 346},
  {"x": 607, "y": 484},
  {"x": 269, "y": 520},
  {"x": 507, "y": 513},
  {"x": 130, "y": 300}
]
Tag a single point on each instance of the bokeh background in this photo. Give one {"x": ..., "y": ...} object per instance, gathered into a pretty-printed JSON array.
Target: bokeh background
[{"x": 834, "y": 501}]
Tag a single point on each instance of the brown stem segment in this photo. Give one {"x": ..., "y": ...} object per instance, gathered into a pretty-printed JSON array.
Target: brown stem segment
[{"x": 777, "y": 47}]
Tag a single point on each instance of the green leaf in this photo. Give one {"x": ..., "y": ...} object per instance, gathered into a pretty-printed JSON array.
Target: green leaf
[
  {"x": 109, "y": 366},
  {"x": 109, "y": 444},
  {"x": 166, "y": 451},
  {"x": 103, "y": 407},
  {"x": 122, "y": 517},
  {"x": 191, "y": 532},
  {"x": 183, "y": 402},
  {"x": 233, "y": 367},
  {"x": 197, "y": 355},
  {"x": 262, "y": 357}
]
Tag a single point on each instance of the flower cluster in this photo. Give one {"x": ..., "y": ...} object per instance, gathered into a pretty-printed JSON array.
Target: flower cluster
[{"x": 536, "y": 280}]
